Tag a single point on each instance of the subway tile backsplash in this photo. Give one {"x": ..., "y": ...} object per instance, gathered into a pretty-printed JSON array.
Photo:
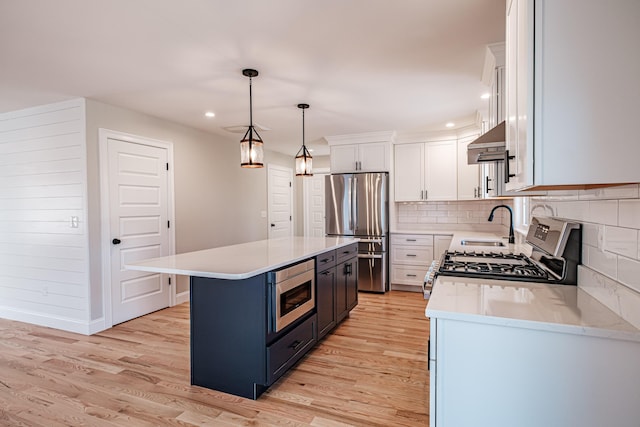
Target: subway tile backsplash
[
  {"x": 610, "y": 242},
  {"x": 474, "y": 212}
]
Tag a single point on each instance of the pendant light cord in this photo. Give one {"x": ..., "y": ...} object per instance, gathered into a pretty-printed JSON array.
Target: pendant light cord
[{"x": 250, "y": 104}]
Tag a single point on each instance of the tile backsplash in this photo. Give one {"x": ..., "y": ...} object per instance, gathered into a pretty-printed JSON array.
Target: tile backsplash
[
  {"x": 610, "y": 242},
  {"x": 456, "y": 214}
]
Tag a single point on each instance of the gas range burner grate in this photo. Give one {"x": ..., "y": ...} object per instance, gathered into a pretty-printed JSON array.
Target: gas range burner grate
[
  {"x": 482, "y": 254},
  {"x": 492, "y": 265}
]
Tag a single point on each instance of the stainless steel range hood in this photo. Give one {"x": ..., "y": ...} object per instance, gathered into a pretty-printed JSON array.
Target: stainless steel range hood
[{"x": 489, "y": 147}]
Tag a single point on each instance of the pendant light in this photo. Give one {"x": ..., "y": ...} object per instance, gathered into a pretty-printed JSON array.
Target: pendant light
[
  {"x": 303, "y": 158},
  {"x": 251, "y": 154}
]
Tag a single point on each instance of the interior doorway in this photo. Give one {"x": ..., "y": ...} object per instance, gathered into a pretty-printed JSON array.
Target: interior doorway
[
  {"x": 313, "y": 203},
  {"x": 137, "y": 212},
  {"x": 280, "y": 201}
]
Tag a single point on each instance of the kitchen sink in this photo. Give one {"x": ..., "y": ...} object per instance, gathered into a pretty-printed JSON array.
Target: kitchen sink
[{"x": 494, "y": 243}]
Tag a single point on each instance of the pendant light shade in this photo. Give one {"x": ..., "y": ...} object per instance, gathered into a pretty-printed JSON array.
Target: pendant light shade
[
  {"x": 251, "y": 153},
  {"x": 303, "y": 158}
]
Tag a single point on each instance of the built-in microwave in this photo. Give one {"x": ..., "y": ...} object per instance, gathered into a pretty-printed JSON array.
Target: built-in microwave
[{"x": 293, "y": 291}]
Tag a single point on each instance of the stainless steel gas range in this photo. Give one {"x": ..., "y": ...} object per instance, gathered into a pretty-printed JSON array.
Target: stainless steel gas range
[{"x": 555, "y": 256}]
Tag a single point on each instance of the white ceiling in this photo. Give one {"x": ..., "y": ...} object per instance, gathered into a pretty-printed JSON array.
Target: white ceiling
[{"x": 362, "y": 65}]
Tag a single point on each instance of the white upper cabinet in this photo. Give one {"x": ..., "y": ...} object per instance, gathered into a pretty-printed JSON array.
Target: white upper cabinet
[
  {"x": 469, "y": 186},
  {"x": 368, "y": 152},
  {"x": 441, "y": 171},
  {"x": 572, "y": 92},
  {"x": 425, "y": 171},
  {"x": 409, "y": 172},
  {"x": 344, "y": 158}
]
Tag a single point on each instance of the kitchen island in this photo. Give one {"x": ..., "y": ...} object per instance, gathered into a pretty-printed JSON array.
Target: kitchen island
[{"x": 245, "y": 332}]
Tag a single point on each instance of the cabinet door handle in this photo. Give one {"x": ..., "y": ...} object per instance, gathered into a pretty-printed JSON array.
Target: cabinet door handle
[
  {"x": 475, "y": 192},
  {"x": 486, "y": 184},
  {"x": 507, "y": 173},
  {"x": 426, "y": 196},
  {"x": 296, "y": 344}
]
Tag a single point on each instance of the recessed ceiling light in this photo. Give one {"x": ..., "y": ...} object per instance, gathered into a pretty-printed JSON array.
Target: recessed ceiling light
[
  {"x": 210, "y": 114},
  {"x": 450, "y": 124},
  {"x": 485, "y": 96}
]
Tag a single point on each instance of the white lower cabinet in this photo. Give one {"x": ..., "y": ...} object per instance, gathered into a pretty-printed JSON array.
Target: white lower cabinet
[
  {"x": 411, "y": 256},
  {"x": 503, "y": 376},
  {"x": 441, "y": 243}
]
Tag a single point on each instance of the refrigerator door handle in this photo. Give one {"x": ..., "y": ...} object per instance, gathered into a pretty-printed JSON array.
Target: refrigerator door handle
[
  {"x": 370, "y": 256},
  {"x": 354, "y": 204},
  {"x": 371, "y": 240}
]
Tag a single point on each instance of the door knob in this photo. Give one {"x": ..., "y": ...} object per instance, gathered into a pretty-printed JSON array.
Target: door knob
[
  {"x": 273, "y": 225},
  {"x": 116, "y": 241}
]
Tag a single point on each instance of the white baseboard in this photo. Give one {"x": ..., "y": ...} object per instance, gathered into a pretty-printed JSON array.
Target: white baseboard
[
  {"x": 182, "y": 297},
  {"x": 65, "y": 324},
  {"x": 406, "y": 288}
]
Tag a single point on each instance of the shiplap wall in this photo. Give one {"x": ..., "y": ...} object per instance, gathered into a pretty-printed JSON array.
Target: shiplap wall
[{"x": 44, "y": 266}]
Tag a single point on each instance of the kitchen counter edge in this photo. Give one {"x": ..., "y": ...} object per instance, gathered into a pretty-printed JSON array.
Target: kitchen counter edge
[{"x": 259, "y": 257}]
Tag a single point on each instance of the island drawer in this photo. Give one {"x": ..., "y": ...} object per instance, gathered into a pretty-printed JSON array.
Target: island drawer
[
  {"x": 347, "y": 252},
  {"x": 285, "y": 352},
  {"x": 325, "y": 260}
]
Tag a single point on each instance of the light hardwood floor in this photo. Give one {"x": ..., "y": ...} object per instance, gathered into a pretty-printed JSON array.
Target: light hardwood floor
[{"x": 371, "y": 371}]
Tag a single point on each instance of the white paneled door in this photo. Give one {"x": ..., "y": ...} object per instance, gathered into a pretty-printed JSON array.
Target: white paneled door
[
  {"x": 139, "y": 226},
  {"x": 280, "y": 181},
  {"x": 314, "y": 205}
]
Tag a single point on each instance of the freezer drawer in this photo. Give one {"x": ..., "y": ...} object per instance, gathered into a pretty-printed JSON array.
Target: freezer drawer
[{"x": 372, "y": 272}]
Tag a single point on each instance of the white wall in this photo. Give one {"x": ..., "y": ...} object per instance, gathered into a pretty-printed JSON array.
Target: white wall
[
  {"x": 50, "y": 273},
  {"x": 217, "y": 202},
  {"x": 44, "y": 263},
  {"x": 610, "y": 242}
]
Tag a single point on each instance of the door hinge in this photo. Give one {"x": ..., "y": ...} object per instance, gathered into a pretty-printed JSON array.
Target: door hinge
[
  {"x": 168, "y": 224},
  {"x": 167, "y": 166}
]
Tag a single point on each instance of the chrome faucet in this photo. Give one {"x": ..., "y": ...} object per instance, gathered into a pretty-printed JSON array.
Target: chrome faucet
[{"x": 512, "y": 238}]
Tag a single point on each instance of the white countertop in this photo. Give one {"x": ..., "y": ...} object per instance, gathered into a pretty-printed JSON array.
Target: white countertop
[
  {"x": 555, "y": 308},
  {"x": 244, "y": 260}
]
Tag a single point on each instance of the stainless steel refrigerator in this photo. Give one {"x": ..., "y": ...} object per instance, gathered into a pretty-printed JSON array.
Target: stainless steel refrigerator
[{"x": 357, "y": 205}]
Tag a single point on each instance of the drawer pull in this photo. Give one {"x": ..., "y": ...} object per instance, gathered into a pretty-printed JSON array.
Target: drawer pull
[
  {"x": 411, "y": 240},
  {"x": 325, "y": 260},
  {"x": 411, "y": 275},
  {"x": 296, "y": 344},
  {"x": 412, "y": 255},
  {"x": 325, "y": 273}
]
